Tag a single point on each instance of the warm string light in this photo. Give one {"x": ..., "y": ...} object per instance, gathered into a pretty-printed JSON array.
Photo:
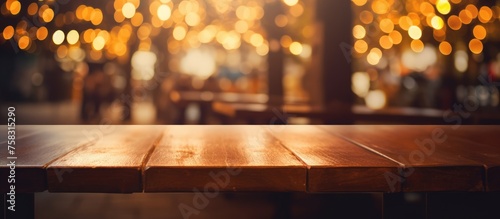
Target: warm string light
[
  {"x": 237, "y": 23},
  {"x": 380, "y": 24},
  {"x": 416, "y": 32},
  {"x": 441, "y": 15},
  {"x": 225, "y": 36}
]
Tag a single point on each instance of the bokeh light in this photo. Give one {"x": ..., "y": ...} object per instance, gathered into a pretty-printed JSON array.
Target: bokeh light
[
  {"x": 73, "y": 37},
  {"x": 128, "y": 10},
  {"x": 58, "y": 37},
  {"x": 290, "y": 2},
  {"x": 24, "y": 42},
  {"x": 476, "y": 46},
  {"x": 445, "y": 48},
  {"x": 42, "y": 33},
  {"x": 376, "y": 99},
  {"x": 8, "y": 32},
  {"x": 415, "y": 32},
  {"x": 15, "y": 7},
  {"x": 443, "y": 6},
  {"x": 98, "y": 43},
  {"x": 296, "y": 48},
  {"x": 164, "y": 12},
  {"x": 386, "y": 34}
]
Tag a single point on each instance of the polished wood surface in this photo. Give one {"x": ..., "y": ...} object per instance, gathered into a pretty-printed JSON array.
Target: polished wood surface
[
  {"x": 35, "y": 148},
  {"x": 126, "y": 159},
  {"x": 113, "y": 164},
  {"x": 246, "y": 158},
  {"x": 485, "y": 145},
  {"x": 335, "y": 164},
  {"x": 423, "y": 152}
]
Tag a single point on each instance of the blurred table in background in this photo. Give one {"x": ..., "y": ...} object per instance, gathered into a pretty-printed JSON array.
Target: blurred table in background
[
  {"x": 257, "y": 113},
  {"x": 204, "y": 100}
]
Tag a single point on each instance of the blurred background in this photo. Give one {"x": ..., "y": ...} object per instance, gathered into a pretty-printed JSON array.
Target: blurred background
[
  {"x": 251, "y": 61},
  {"x": 247, "y": 62}
]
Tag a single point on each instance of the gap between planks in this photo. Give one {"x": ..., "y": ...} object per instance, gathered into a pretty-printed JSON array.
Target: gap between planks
[
  {"x": 293, "y": 153},
  {"x": 147, "y": 157}
]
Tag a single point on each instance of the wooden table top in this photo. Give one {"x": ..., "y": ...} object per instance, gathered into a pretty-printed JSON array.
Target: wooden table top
[{"x": 127, "y": 159}]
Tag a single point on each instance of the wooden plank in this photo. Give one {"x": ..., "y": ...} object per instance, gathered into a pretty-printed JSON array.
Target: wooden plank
[
  {"x": 222, "y": 158},
  {"x": 426, "y": 167},
  {"x": 25, "y": 131},
  {"x": 477, "y": 143},
  {"x": 481, "y": 144},
  {"x": 35, "y": 147},
  {"x": 113, "y": 164},
  {"x": 336, "y": 165}
]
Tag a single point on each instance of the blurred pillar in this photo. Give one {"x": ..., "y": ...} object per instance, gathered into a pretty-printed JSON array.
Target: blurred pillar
[
  {"x": 275, "y": 57},
  {"x": 127, "y": 96},
  {"x": 160, "y": 95},
  {"x": 335, "y": 25}
]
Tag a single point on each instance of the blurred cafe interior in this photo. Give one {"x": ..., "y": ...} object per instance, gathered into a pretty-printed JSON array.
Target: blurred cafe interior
[
  {"x": 251, "y": 61},
  {"x": 268, "y": 62}
]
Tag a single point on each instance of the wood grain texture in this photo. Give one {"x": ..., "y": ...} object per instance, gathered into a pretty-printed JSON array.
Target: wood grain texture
[
  {"x": 129, "y": 159},
  {"x": 429, "y": 164},
  {"x": 481, "y": 144},
  {"x": 476, "y": 143},
  {"x": 224, "y": 158},
  {"x": 336, "y": 165},
  {"x": 36, "y": 147},
  {"x": 113, "y": 164}
]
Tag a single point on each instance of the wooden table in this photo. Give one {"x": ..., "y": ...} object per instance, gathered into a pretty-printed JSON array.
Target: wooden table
[
  {"x": 204, "y": 100},
  {"x": 207, "y": 96},
  {"x": 316, "y": 159}
]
